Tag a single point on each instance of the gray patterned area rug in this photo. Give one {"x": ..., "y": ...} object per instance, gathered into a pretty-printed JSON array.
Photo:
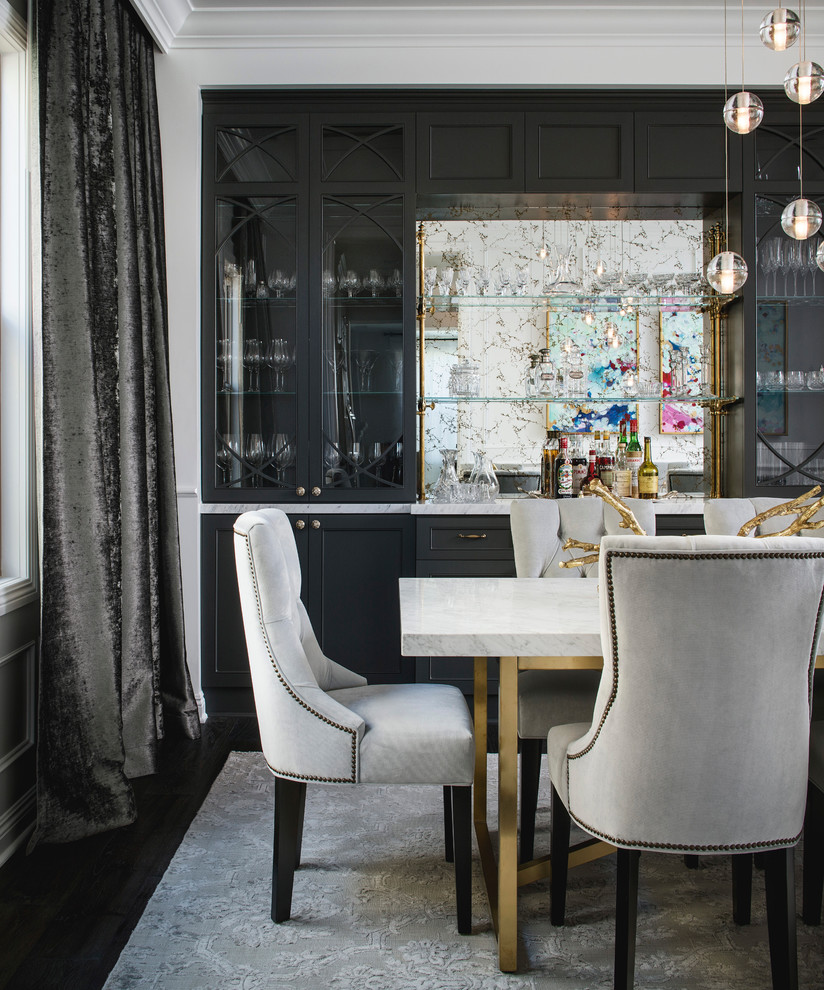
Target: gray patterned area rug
[{"x": 373, "y": 908}]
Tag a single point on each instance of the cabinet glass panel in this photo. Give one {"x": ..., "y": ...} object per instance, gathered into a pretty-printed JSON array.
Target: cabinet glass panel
[
  {"x": 256, "y": 154},
  {"x": 776, "y": 153},
  {"x": 363, "y": 153},
  {"x": 255, "y": 343},
  {"x": 362, "y": 394},
  {"x": 789, "y": 354}
]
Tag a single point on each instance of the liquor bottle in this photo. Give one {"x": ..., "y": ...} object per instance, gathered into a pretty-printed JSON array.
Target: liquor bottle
[
  {"x": 563, "y": 471},
  {"x": 549, "y": 455},
  {"x": 579, "y": 467},
  {"x": 634, "y": 455},
  {"x": 592, "y": 471},
  {"x": 622, "y": 483},
  {"x": 647, "y": 473},
  {"x": 606, "y": 464}
]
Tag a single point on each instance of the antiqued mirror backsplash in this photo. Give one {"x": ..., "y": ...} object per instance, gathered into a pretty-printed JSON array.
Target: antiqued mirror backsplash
[{"x": 623, "y": 296}]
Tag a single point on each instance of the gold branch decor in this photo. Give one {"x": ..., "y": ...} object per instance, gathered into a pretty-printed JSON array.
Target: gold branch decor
[
  {"x": 797, "y": 508},
  {"x": 628, "y": 521}
]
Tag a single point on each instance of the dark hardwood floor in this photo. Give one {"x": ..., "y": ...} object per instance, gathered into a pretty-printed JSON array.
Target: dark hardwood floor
[{"x": 66, "y": 911}]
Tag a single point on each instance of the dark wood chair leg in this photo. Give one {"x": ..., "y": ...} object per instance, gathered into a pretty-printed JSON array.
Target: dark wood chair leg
[
  {"x": 449, "y": 849},
  {"x": 290, "y": 796},
  {"x": 779, "y": 880},
  {"x": 530, "y": 779},
  {"x": 462, "y": 830},
  {"x": 813, "y": 882},
  {"x": 741, "y": 888},
  {"x": 626, "y": 916},
  {"x": 692, "y": 862},
  {"x": 559, "y": 855},
  {"x": 301, "y": 812}
]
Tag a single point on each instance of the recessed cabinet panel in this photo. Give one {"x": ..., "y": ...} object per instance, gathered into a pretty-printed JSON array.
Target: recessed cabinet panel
[
  {"x": 579, "y": 152},
  {"x": 256, "y": 154},
  {"x": 460, "y": 153},
  {"x": 363, "y": 152},
  {"x": 354, "y": 567},
  {"x": 684, "y": 152}
]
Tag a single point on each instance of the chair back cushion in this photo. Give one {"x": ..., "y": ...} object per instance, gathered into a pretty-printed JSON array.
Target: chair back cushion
[
  {"x": 305, "y": 734},
  {"x": 700, "y": 731},
  {"x": 541, "y": 526},
  {"x": 726, "y": 516}
]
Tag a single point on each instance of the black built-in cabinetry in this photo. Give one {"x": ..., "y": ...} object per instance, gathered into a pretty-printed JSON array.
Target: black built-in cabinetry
[{"x": 308, "y": 184}]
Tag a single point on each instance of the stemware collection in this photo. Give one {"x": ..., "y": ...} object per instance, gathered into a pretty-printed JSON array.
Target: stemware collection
[
  {"x": 790, "y": 381},
  {"x": 788, "y": 259},
  {"x": 373, "y": 284}
]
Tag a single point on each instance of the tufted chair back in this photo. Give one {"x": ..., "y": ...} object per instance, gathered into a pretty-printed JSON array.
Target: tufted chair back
[
  {"x": 541, "y": 526},
  {"x": 726, "y": 516},
  {"x": 699, "y": 737},
  {"x": 304, "y": 732}
]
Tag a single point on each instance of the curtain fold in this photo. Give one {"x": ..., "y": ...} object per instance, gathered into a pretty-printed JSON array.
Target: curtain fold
[{"x": 113, "y": 672}]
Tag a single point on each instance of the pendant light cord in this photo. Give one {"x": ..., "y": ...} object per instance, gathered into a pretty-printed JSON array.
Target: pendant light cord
[
  {"x": 800, "y": 108},
  {"x": 727, "y": 139}
]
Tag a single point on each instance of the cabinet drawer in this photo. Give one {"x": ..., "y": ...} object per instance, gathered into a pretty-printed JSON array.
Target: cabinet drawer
[{"x": 456, "y": 538}]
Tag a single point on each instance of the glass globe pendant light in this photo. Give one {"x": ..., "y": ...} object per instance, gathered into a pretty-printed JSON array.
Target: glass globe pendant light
[
  {"x": 780, "y": 29},
  {"x": 727, "y": 271},
  {"x": 804, "y": 82},
  {"x": 801, "y": 218},
  {"x": 743, "y": 111}
]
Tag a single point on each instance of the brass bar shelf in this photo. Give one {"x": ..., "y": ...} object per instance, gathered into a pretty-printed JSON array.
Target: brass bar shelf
[{"x": 579, "y": 400}]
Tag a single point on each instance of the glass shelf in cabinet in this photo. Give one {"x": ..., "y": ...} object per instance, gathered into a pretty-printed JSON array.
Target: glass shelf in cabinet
[
  {"x": 262, "y": 394},
  {"x": 599, "y": 303},
  {"x": 373, "y": 391},
  {"x": 811, "y": 301},
  {"x": 286, "y": 301},
  {"x": 577, "y": 399},
  {"x": 364, "y": 300}
]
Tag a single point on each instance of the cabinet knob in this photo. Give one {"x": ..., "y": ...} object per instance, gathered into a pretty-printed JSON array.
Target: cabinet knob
[
  {"x": 316, "y": 491},
  {"x": 300, "y": 524},
  {"x": 300, "y": 491},
  {"x": 316, "y": 524}
]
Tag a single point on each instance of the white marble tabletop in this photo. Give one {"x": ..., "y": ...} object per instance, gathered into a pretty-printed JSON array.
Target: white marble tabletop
[{"x": 523, "y": 617}]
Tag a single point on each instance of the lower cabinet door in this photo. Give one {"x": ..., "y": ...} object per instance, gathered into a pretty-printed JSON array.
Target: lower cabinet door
[
  {"x": 350, "y": 568},
  {"x": 354, "y": 565}
]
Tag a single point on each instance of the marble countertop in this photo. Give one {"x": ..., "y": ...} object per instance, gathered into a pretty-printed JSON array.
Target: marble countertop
[
  {"x": 666, "y": 506},
  {"x": 469, "y": 617}
]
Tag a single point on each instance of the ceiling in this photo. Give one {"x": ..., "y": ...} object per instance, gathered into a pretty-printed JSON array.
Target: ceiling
[{"x": 204, "y": 24}]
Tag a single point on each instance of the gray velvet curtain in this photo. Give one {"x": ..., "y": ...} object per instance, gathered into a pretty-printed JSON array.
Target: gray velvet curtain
[{"x": 113, "y": 675}]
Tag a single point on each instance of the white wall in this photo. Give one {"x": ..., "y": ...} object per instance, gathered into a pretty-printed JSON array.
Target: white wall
[{"x": 433, "y": 58}]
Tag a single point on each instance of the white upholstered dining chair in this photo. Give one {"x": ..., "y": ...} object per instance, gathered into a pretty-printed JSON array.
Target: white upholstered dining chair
[
  {"x": 323, "y": 724},
  {"x": 540, "y": 527},
  {"x": 813, "y": 887},
  {"x": 698, "y": 741}
]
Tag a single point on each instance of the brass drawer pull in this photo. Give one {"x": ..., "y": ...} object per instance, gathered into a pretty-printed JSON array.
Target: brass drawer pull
[{"x": 471, "y": 536}]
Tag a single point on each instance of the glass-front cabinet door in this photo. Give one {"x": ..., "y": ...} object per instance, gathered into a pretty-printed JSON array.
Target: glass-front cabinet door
[
  {"x": 789, "y": 364},
  {"x": 362, "y": 392},
  {"x": 259, "y": 351}
]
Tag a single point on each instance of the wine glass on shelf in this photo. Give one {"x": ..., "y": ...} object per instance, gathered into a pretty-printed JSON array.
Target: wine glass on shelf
[
  {"x": 373, "y": 281},
  {"x": 279, "y": 359},
  {"x": 283, "y": 454},
  {"x": 251, "y": 361},
  {"x": 328, "y": 282},
  {"x": 350, "y": 283},
  {"x": 395, "y": 282},
  {"x": 223, "y": 361},
  {"x": 810, "y": 260},
  {"x": 445, "y": 281},
  {"x": 376, "y": 456},
  {"x": 224, "y": 459},
  {"x": 255, "y": 454},
  {"x": 279, "y": 282},
  {"x": 430, "y": 277},
  {"x": 355, "y": 454},
  {"x": 768, "y": 258},
  {"x": 365, "y": 365}
]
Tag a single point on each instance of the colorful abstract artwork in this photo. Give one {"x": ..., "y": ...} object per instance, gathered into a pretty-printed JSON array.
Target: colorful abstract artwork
[
  {"x": 569, "y": 418},
  {"x": 770, "y": 356},
  {"x": 682, "y": 336},
  {"x": 607, "y": 369}
]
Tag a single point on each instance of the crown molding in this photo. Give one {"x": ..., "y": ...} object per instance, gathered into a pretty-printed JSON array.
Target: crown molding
[
  {"x": 13, "y": 27},
  {"x": 164, "y": 19}
]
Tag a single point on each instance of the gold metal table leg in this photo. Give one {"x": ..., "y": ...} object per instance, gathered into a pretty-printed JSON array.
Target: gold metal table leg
[{"x": 508, "y": 815}]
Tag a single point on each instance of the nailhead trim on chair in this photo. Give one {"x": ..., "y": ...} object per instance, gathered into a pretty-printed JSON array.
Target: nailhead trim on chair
[
  {"x": 642, "y": 554},
  {"x": 300, "y": 701}
]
